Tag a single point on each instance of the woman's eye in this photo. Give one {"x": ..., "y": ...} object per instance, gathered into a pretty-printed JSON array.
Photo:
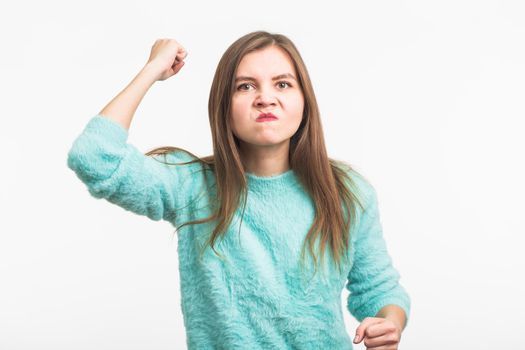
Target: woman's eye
[
  {"x": 240, "y": 86},
  {"x": 282, "y": 84}
]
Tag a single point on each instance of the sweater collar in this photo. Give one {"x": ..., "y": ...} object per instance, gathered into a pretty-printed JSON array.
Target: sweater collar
[{"x": 275, "y": 182}]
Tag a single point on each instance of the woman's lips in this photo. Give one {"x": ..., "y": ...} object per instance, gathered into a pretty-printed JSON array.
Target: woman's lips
[{"x": 265, "y": 119}]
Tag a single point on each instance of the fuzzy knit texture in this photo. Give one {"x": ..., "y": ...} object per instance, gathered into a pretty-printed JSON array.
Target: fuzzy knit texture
[{"x": 256, "y": 296}]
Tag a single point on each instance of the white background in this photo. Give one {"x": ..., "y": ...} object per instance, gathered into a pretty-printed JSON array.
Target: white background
[{"x": 426, "y": 98}]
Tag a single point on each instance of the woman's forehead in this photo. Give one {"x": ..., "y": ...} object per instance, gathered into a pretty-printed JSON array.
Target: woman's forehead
[
  {"x": 272, "y": 54},
  {"x": 266, "y": 63}
]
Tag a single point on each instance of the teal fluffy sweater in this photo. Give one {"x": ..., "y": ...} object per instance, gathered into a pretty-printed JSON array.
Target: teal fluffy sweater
[{"x": 256, "y": 296}]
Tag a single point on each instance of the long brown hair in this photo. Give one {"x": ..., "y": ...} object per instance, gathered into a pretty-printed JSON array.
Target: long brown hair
[{"x": 325, "y": 179}]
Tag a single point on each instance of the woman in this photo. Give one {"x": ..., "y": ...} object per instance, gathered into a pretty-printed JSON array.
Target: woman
[{"x": 267, "y": 194}]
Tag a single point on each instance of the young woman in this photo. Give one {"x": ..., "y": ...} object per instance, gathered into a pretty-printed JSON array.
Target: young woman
[{"x": 270, "y": 229}]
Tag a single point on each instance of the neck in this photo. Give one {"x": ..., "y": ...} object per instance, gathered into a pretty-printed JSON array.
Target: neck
[{"x": 265, "y": 160}]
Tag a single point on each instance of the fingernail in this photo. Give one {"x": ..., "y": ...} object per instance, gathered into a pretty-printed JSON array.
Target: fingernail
[{"x": 356, "y": 339}]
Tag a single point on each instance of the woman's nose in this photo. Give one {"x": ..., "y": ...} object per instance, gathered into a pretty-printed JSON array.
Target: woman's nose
[{"x": 264, "y": 99}]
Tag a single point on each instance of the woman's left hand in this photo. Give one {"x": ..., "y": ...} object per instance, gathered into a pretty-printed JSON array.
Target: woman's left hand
[{"x": 378, "y": 334}]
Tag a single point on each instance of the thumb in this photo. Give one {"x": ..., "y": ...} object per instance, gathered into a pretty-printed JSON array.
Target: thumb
[{"x": 359, "y": 333}]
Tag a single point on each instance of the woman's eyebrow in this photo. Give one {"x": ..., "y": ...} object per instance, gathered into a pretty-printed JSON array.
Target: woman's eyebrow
[{"x": 280, "y": 76}]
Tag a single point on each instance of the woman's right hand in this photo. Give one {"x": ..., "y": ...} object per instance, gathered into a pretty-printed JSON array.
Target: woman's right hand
[{"x": 166, "y": 58}]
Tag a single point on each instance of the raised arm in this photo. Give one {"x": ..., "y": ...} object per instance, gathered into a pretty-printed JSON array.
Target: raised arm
[{"x": 116, "y": 170}]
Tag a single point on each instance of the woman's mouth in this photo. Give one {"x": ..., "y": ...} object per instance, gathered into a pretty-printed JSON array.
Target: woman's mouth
[{"x": 266, "y": 117}]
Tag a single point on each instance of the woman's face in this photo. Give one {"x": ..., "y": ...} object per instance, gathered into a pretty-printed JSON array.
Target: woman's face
[{"x": 266, "y": 83}]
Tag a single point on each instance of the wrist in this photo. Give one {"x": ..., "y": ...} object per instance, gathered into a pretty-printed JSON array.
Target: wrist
[
  {"x": 150, "y": 73},
  {"x": 395, "y": 314}
]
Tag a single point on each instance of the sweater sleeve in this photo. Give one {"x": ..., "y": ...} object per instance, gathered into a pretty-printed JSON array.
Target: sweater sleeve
[
  {"x": 373, "y": 282},
  {"x": 117, "y": 171}
]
